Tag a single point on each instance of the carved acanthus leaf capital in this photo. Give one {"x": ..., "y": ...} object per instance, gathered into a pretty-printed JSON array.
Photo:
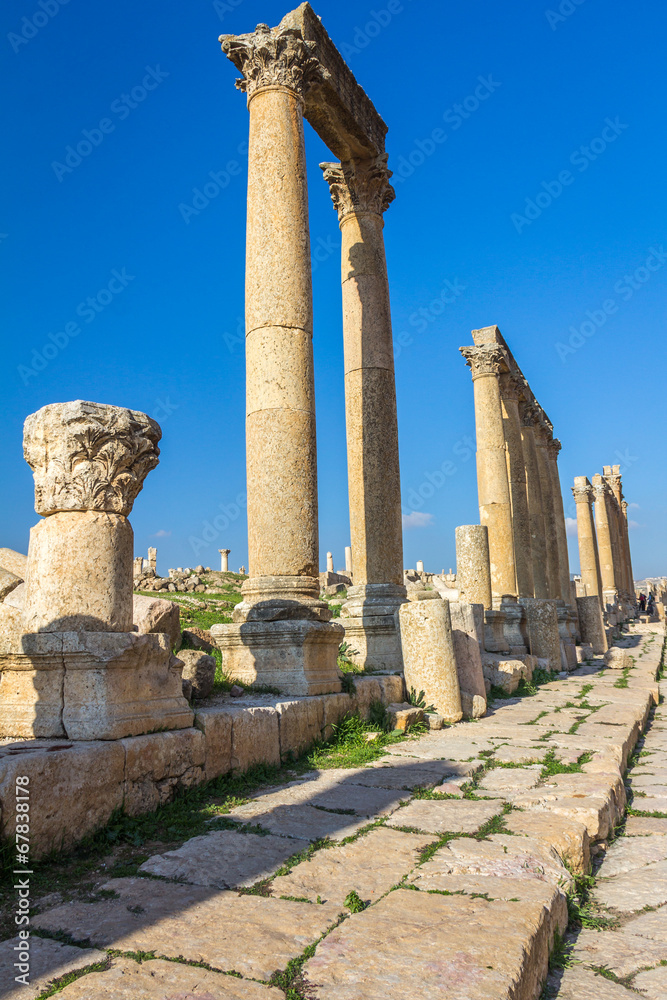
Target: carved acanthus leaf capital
[
  {"x": 269, "y": 58},
  {"x": 359, "y": 185},
  {"x": 509, "y": 387},
  {"x": 89, "y": 456},
  {"x": 489, "y": 359},
  {"x": 583, "y": 494},
  {"x": 528, "y": 414},
  {"x": 554, "y": 447}
]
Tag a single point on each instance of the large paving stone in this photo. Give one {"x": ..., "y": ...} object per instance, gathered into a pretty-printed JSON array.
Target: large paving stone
[
  {"x": 48, "y": 960},
  {"x": 432, "y": 945},
  {"x": 447, "y": 815},
  {"x": 337, "y": 792},
  {"x": 500, "y": 855},
  {"x": 578, "y": 983},
  {"x": 514, "y": 754},
  {"x": 252, "y": 935},
  {"x": 645, "y": 826},
  {"x": 634, "y": 890},
  {"x": 620, "y": 952},
  {"x": 224, "y": 859},
  {"x": 624, "y": 855},
  {"x": 510, "y": 779},
  {"x": 370, "y": 865},
  {"x": 301, "y": 821},
  {"x": 568, "y": 837},
  {"x": 160, "y": 980},
  {"x": 653, "y": 983},
  {"x": 652, "y": 924}
]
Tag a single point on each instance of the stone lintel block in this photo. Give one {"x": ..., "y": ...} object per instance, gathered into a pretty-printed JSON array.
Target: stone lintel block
[
  {"x": 158, "y": 763},
  {"x": 296, "y": 656},
  {"x": 74, "y": 788},
  {"x": 121, "y": 684},
  {"x": 300, "y": 724},
  {"x": 216, "y": 725},
  {"x": 339, "y": 110}
]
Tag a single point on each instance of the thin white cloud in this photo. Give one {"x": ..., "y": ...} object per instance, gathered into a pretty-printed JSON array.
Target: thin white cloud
[
  {"x": 634, "y": 524},
  {"x": 633, "y": 506},
  {"x": 417, "y": 519},
  {"x": 571, "y": 527},
  {"x": 161, "y": 534}
]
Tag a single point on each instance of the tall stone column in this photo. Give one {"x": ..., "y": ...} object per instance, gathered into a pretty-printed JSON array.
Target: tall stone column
[
  {"x": 535, "y": 503},
  {"x": 281, "y": 606},
  {"x": 516, "y": 471},
  {"x": 543, "y": 436},
  {"x": 473, "y": 575},
  {"x": 224, "y": 560},
  {"x": 554, "y": 448},
  {"x": 79, "y": 669},
  {"x": 589, "y": 558},
  {"x": 631, "y": 579},
  {"x": 361, "y": 193},
  {"x": 605, "y": 545},
  {"x": 612, "y": 474},
  {"x": 486, "y": 364}
]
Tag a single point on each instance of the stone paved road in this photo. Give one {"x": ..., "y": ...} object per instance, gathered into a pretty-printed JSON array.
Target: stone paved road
[{"x": 460, "y": 847}]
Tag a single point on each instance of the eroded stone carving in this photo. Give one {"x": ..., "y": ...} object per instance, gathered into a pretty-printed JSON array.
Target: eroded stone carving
[
  {"x": 269, "y": 58},
  {"x": 359, "y": 185},
  {"x": 89, "y": 456},
  {"x": 486, "y": 360}
]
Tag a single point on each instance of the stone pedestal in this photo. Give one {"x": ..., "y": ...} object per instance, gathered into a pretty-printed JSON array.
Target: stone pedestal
[
  {"x": 468, "y": 632},
  {"x": 495, "y": 640},
  {"x": 512, "y": 626},
  {"x": 361, "y": 193},
  {"x": 542, "y": 630},
  {"x": 279, "y": 69},
  {"x": 78, "y": 669},
  {"x": 428, "y": 655},
  {"x": 591, "y": 624},
  {"x": 473, "y": 569},
  {"x": 291, "y": 655}
]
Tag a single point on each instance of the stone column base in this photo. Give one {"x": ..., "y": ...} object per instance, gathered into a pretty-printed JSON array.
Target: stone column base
[
  {"x": 297, "y": 657},
  {"x": 495, "y": 640},
  {"x": 369, "y": 617},
  {"x": 91, "y": 686},
  {"x": 542, "y": 630},
  {"x": 568, "y": 637},
  {"x": 514, "y": 618},
  {"x": 281, "y": 598}
]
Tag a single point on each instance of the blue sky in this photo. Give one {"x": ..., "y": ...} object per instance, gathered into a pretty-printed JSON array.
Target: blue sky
[{"x": 538, "y": 203}]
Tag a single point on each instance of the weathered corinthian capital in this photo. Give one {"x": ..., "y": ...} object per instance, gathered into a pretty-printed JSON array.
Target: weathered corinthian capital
[
  {"x": 554, "y": 447},
  {"x": 359, "y": 185},
  {"x": 582, "y": 491},
  {"x": 269, "y": 58},
  {"x": 489, "y": 359},
  {"x": 89, "y": 456},
  {"x": 509, "y": 387}
]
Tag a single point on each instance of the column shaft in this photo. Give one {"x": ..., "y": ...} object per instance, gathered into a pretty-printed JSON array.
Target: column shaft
[
  {"x": 603, "y": 527},
  {"x": 551, "y": 539},
  {"x": 589, "y": 559},
  {"x": 561, "y": 531},
  {"x": 535, "y": 506},
  {"x": 516, "y": 472}
]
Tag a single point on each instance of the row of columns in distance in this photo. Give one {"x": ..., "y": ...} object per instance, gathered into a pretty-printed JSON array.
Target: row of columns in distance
[
  {"x": 520, "y": 499},
  {"x": 604, "y": 543},
  {"x": 280, "y": 426}
]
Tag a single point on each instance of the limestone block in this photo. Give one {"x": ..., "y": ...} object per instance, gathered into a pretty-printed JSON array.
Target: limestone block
[
  {"x": 568, "y": 837},
  {"x": 198, "y": 671},
  {"x": 617, "y": 658},
  {"x": 335, "y": 707},
  {"x": 31, "y": 682},
  {"x": 392, "y": 687},
  {"x": 473, "y": 569},
  {"x": 14, "y": 562},
  {"x": 542, "y": 630},
  {"x": 255, "y": 737},
  {"x": 121, "y": 684},
  {"x": 403, "y": 715},
  {"x": 504, "y": 673},
  {"x": 296, "y": 656},
  {"x": 153, "y": 614},
  {"x": 300, "y": 725},
  {"x": 159, "y": 763},
  {"x": 367, "y": 690},
  {"x": 89, "y": 456},
  {"x": 16, "y": 598},
  {"x": 591, "y": 623},
  {"x": 11, "y": 629},
  {"x": 428, "y": 655},
  {"x": 198, "y": 638},
  {"x": 8, "y": 582},
  {"x": 216, "y": 725},
  {"x": 468, "y": 633},
  {"x": 68, "y": 804}
]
